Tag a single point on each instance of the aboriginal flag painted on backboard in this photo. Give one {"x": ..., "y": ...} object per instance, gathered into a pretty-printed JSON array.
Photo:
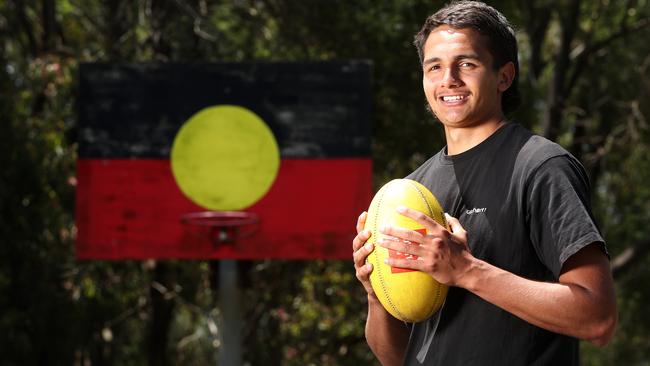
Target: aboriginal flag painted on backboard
[{"x": 128, "y": 204}]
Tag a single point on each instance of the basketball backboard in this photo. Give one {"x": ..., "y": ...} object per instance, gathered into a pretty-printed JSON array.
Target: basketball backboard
[{"x": 287, "y": 142}]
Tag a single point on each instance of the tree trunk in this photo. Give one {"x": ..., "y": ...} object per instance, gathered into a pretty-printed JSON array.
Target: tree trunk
[
  {"x": 26, "y": 27},
  {"x": 536, "y": 23},
  {"x": 113, "y": 30},
  {"x": 557, "y": 88},
  {"x": 49, "y": 26}
]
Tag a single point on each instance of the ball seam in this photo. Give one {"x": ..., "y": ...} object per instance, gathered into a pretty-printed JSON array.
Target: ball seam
[
  {"x": 381, "y": 277},
  {"x": 437, "y": 294}
]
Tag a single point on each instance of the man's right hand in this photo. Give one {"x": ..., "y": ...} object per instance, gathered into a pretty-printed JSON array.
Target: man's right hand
[{"x": 361, "y": 248}]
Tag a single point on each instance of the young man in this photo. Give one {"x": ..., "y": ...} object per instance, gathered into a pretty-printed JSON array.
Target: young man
[{"x": 527, "y": 267}]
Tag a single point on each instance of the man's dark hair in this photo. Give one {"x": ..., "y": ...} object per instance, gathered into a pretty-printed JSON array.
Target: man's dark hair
[{"x": 488, "y": 22}]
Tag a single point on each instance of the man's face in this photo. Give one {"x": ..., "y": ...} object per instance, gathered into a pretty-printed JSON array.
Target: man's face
[{"x": 459, "y": 81}]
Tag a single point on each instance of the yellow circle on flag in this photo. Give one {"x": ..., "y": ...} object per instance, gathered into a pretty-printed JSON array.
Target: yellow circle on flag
[{"x": 225, "y": 158}]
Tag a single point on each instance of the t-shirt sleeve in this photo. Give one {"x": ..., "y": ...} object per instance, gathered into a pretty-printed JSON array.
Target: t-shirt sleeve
[{"x": 559, "y": 212}]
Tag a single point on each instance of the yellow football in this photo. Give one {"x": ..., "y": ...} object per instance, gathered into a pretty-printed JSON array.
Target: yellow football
[{"x": 408, "y": 295}]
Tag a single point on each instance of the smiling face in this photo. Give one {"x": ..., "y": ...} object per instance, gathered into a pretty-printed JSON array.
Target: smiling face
[{"x": 459, "y": 80}]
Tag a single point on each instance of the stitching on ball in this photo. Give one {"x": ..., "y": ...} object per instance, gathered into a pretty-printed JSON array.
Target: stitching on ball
[
  {"x": 438, "y": 288},
  {"x": 381, "y": 276},
  {"x": 423, "y": 198}
]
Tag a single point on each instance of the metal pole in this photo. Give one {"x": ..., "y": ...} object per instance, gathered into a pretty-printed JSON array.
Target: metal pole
[{"x": 230, "y": 301}]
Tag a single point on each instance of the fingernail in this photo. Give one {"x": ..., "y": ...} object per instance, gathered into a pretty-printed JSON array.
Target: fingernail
[
  {"x": 368, "y": 246},
  {"x": 401, "y": 209},
  {"x": 382, "y": 229}
]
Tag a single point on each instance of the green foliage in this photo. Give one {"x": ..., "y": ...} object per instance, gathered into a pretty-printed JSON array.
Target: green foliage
[
  {"x": 55, "y": 310},
  {"x": 315, "y": 319}
]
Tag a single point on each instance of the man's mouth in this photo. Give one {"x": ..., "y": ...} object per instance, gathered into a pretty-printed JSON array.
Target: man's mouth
[{"x": 452, "y": 98}]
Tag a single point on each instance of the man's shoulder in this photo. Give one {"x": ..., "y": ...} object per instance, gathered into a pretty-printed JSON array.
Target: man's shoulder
[
  {"x": 539, "y": 157},
  {"x": 433, "y": 162},
  {"x": 537, "y": 150},
  {"x": 541, "y": 148}
]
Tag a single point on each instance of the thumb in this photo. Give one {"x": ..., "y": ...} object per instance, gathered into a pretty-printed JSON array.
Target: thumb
[{"x": 457, "y": 229}]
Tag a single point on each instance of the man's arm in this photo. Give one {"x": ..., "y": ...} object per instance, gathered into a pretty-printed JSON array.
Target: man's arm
[
  {"x": 581, "y": 304},
  {"x": 386, "y": 335}
]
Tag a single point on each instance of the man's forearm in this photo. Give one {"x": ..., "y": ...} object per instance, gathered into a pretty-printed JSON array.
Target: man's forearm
[
  {"x": 386, "y": 335},
  {"x": 581, "y": 304}
]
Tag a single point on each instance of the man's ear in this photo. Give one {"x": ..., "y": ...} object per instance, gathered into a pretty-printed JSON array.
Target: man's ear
[{"x": 506, "y": 76}]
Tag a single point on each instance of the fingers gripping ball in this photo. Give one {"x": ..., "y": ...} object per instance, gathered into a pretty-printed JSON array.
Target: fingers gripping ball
[{"x": 408, "y": 295}]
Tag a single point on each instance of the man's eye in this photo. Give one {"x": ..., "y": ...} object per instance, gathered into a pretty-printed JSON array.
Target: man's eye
[
  {"x": 434, "y": 67},
  {"x": 466, "y": 65}
]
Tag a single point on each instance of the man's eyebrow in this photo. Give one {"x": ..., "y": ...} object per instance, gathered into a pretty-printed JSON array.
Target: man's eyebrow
[
  {"x": 472, "y": 56},
  {"x": 431, "y": 60}
]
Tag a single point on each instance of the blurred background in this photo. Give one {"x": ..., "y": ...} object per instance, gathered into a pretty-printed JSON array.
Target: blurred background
[{"x": 585, "y": 80}]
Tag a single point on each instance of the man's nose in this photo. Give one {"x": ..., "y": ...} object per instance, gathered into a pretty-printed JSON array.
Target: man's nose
[{"x": 450, "y": 78}]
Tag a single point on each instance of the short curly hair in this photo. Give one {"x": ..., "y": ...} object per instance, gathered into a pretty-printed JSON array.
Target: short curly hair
[{"x": 487, "y": 21}]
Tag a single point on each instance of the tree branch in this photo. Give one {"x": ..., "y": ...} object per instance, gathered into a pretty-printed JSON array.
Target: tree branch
[
  {"x": 584, "y": 56},
  {"x": 631, "y": 255}
]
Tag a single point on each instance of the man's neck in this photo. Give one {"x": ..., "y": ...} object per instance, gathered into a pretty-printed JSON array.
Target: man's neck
[{"x": 461, "y": 139}]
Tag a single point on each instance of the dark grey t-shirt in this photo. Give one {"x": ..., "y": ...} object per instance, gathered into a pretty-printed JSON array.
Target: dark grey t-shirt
[{"x": 524, "y": 202}]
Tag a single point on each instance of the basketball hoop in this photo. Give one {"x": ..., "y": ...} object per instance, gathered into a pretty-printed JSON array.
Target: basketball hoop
[
  {"x": 226, "y": 227},
  {"x": 223, "y": 227}
]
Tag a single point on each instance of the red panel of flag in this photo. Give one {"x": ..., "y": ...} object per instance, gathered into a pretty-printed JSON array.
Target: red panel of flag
[{"x": 310, "y": 219}]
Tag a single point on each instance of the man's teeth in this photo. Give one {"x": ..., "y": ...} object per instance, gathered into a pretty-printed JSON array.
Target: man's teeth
[{"x": 451, "y": 98}]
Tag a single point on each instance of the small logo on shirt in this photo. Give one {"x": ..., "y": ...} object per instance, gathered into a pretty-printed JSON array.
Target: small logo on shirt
[{"x": 476, "y": 210}]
